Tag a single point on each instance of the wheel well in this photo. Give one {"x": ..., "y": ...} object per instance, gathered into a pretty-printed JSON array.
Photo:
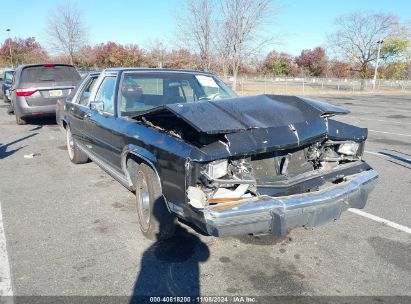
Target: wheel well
[{"x": 131, "y": 163}]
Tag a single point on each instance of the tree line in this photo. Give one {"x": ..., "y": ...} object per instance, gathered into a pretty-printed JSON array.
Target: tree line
[{"x": 229, "y": 37}]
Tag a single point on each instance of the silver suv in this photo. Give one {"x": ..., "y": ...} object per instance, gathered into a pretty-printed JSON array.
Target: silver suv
[{"x": 36, "y": 89}]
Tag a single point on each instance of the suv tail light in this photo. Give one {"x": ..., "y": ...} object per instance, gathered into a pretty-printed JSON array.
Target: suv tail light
[{"x": 25, "y": 92}]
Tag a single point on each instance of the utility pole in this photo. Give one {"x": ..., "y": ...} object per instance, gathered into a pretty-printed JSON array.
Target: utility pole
[
  {"x": 11, "y": 54},
  {"x": 379, "y": 42}
]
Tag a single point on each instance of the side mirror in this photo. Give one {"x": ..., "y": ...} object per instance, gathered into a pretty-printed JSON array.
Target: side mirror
[{"x": 97, "y": 106}]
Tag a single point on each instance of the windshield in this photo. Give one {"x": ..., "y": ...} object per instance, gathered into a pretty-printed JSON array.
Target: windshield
[{"x": 144, "y": 91}]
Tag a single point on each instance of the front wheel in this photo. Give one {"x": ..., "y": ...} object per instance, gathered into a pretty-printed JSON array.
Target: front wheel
[
  {"x": 75, "y": 154},
  {"x": 156, "y": 222}
]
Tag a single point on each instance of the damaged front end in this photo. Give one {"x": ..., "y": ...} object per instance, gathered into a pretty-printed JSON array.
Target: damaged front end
[
  {"x": 267, "y": 168},
  {"x": 276, "y": 191}
]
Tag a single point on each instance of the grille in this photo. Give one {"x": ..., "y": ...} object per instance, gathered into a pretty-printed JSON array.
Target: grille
[{"x": 276, "y": 165}]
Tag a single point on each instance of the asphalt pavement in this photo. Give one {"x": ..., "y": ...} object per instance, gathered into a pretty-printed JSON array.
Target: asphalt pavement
[{"x": 72, "y": 230}]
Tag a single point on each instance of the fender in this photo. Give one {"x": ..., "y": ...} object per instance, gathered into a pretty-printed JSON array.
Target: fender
[{"x": 144, "y": 155}]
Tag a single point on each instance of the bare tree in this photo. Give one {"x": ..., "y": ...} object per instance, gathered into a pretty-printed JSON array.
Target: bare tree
[
  {"x": 242, "y": 21},
  {"x": 195, "y": 27},
  {"x": 357, "y": 36},
  {"x": 157, "y": 52},
  {"x": 66, "y": 30}
]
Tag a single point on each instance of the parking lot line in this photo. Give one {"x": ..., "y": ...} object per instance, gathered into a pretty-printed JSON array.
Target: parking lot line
[
  {"x": 380, "y": 120},
  {"x": 381, "y": 220},
  {"x": 391, "y": 133},
  {"x": 5, "y": 282}
]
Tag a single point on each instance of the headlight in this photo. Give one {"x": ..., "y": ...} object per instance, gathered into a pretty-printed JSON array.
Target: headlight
[
  {"x": 217, "y": 169},
  {"x": 349, "y": 148}
]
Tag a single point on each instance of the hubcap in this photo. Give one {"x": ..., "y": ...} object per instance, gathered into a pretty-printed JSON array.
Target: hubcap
[
  {"x": 70, "y": 144},
  {"x": 144, "y": 201}
]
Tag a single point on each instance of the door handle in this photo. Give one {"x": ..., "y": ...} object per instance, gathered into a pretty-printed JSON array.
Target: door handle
[{"x": 87, "y": 115}]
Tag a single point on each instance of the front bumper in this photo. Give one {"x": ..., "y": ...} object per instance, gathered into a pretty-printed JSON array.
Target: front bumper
[{"x": 277, "y": 215}]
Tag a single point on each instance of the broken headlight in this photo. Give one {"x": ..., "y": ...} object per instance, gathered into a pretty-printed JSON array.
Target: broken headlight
[
  {"x": 348, "y": 148},
  {"x": 217, "y": 169}
]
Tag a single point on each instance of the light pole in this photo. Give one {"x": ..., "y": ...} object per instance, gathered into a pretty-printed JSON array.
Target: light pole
[
  {"x": 379, "y": 42},
  {"x": 11, "y": 54}
]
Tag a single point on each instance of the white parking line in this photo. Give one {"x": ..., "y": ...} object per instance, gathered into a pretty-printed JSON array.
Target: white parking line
[
  {"x": 5, "y": 282},
  {"x": 381, "y": 220},
  {"x": 391, "y": 133},
  {"x": 380, "y": 120},
  {"x": 386, "y": 156}
]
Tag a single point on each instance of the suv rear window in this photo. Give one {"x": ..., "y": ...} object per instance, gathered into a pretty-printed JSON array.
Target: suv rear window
[{"x": 55, "y": 73}]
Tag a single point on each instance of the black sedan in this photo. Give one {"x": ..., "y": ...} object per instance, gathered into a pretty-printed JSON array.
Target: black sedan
[{"x": 191, "y": 149}]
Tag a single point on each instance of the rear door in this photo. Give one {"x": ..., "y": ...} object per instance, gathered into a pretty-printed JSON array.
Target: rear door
[
  {"x": 43, "y": 85},
  {"x": 77, "y": 109}
]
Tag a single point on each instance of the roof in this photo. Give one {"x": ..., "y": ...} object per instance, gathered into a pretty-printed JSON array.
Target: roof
[{"x": 120, "y": 69}]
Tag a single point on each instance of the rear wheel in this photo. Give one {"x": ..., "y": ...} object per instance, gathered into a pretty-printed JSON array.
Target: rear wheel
[
  {"x": 20, "y": 121},
  {"x": 10, "y": 109},
  {"x": 75, "y": 154},
  {"x": 156, "y": 222}
]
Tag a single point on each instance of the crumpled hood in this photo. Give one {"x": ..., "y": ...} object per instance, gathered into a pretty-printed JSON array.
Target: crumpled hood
[{"x": 251, "y": 112}]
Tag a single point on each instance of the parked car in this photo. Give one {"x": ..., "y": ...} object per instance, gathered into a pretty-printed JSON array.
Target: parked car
[
  {"x": 83, "y": 88},
  {"x": 37, "y": 87},
  {"x": 6, "y": 84},
  {"x": 191, "y": 149}
]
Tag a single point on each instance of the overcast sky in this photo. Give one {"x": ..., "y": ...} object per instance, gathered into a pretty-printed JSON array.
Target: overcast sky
[{"x": 302, "y": 24}]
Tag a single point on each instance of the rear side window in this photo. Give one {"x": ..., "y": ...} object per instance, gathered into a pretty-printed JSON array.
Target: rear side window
[
  {"x": 85, "y": 93},
  {"x": 56, "y": 73},
  {"x": 105, "y": 93},
  {"x": 8, "y": 76}
]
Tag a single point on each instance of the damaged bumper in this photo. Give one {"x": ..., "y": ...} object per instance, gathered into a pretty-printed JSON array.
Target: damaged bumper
[{"x": 277, "y": 215}]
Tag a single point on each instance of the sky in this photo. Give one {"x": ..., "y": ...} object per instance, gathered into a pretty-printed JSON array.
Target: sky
[{"x": 299, "y": 24}]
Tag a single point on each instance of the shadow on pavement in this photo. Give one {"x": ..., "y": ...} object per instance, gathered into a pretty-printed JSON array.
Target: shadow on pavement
[
  {"x": 171, "y": 268},
  {"x": 3, "y": 147}
]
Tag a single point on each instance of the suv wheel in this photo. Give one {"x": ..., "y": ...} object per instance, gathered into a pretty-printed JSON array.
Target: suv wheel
[
  {"x": 75, "y": 154},
  {"x": 10, "y": 109},
  {"x": 20, "y": 121},
  {"x": 156, "y": 222}
]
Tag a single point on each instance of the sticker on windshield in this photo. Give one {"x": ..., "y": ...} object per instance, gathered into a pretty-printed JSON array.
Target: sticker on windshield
[{"x": 207, "y": 81}]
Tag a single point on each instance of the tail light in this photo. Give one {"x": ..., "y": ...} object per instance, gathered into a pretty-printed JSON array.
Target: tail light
[
  {"x": 48, "y": 65},
  {"x": 25, "y": 92}
]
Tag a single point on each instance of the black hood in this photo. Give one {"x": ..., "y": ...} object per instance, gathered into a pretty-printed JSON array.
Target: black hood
[
  {"x": 246, "y": 113},
  {"x": 253, "y": 124}
]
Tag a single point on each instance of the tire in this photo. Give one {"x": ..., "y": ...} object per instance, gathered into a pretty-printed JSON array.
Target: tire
[
  {"x": 10, "y": 109},
  {"x": 75, "y": 154},
  {"x": 20, "y": 121},
  {"x": 155, "y": 221}
]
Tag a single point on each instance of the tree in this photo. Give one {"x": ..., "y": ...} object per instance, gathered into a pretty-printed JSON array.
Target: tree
[
  {"x": 314, "y": 62},
  {"x": 242, "y": 20},
  {"x": 180, "y": 59},
  {"x": 66, "y": 30},
  {"x": 340, "y": 69},
  {"x": 111, "y": 54},
  {"x": 157, "y": 53},
  {"x": 195, "y": 28},
  {"x": 24, "y": 51},
  {"x": 357, "y": 35},
  {"x": 279, "y": 64}
]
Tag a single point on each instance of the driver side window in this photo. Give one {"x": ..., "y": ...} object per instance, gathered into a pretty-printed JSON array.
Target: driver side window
[{"x": 105, "y": 93}]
